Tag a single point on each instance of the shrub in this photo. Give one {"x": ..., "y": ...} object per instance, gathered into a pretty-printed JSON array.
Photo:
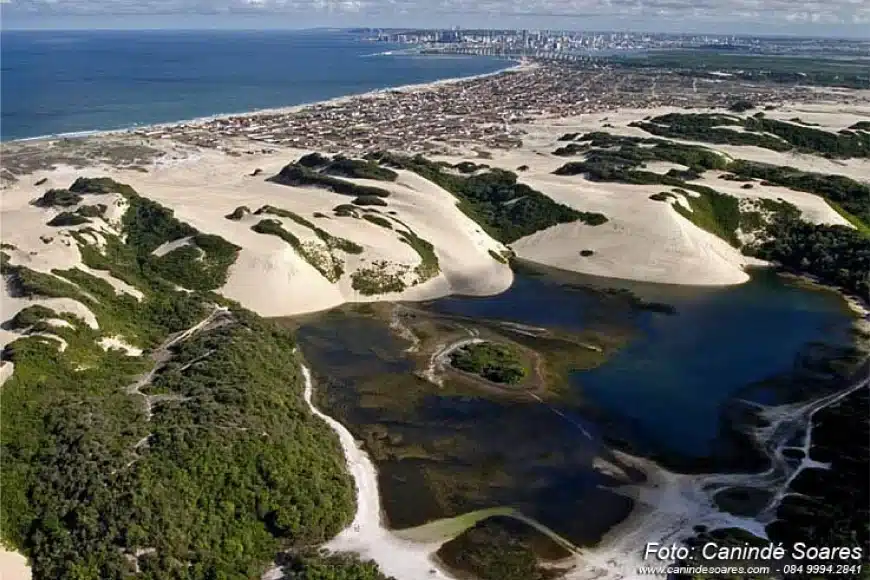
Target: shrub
[
  {"x": 68, "y": 219},
  {"x": 369, "y": 200},
  {"x": 58, "y": 198}
]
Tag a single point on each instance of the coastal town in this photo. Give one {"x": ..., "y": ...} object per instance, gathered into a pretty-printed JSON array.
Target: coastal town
[{"x": 484, "y": 112}]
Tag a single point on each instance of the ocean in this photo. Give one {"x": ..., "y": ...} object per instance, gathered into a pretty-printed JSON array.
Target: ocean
[{"x": 76, "y": 81}]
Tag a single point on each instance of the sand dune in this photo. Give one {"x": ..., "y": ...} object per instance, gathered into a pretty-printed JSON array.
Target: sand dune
[{"x": 13, "y": 566}]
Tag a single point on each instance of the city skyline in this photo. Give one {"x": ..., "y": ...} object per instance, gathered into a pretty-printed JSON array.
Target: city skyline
[{"x": 837, "y": 18}]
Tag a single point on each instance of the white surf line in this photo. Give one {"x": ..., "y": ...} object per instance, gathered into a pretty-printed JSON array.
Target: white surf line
[
  {"x": 670, "y": 505},
  {"x": 367, "y": 535}
]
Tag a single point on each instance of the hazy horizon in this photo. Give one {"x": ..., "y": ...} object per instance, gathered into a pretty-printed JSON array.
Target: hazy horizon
[
  {"x": 846, "y": 19},
  {"x": 204, "y": 27}
]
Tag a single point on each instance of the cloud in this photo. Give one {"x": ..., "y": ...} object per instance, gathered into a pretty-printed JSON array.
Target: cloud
[{"x": 757, "y": 14}]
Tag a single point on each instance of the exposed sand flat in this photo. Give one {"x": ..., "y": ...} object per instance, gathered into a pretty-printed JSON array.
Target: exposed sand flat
[
  {"x": 13, "y": 566},
  {"x": 118, "y": 343}
]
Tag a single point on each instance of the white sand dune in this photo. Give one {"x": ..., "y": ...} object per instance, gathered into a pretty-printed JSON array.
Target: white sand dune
[
  {"x": 13, "y": 566},
  {"x": 272, "y": 279},
  {"x": 643, "y": 239}
]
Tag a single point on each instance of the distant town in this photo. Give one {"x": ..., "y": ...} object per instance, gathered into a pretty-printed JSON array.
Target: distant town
[
  {"x": 486, "y": 112},
  {"x": 541, "y": 43}
]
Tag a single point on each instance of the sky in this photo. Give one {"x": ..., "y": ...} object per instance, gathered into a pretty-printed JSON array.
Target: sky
[{"x": 843, "y": 18}]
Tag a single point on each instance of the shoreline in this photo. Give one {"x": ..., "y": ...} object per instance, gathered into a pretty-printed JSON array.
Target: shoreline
[{"x": 278, "y": 110}]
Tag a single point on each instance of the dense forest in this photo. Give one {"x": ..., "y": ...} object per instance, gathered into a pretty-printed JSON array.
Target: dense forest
[
  {"x": 499, "y": 363},
  {"x": 205, "y": 469},
  {"x": 837, "y": 255},
  {"x": 506, "y": 209}
]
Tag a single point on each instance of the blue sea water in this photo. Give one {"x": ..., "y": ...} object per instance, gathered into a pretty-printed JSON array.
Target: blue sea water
[{"x": 71, "y": 81}]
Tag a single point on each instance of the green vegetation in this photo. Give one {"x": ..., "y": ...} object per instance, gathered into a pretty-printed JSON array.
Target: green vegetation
[
  {"x": 498, "y": 257},
  {"x": 230, "y": 469},
  {"x": 377, "y": 279},
  {"x": 620, "y": 159},
  {"x": 789, "y": 70},
  {"x": 378, "y": 220},
  {"x": 201, "y": 265},
  {"x": 662, "y": 196},
  {"x": 850, "y": 195},
  {"x": 58, "y": 198},
  {"x": 856, "y": 223},
  {"x": 741, "y": 106},
  {"x": 718, "y": 213},
  {"x": 428, "y": 266},
  {"x": 238, "y": 213},
  {"x": 610, "y": 156},
  {"x": 345, "y": 210},
  {"x": 331, "y": 567},
  {"x": 101, "y": 185},
  {"x": 861, "y": 126},
  {"x": 30, "y": 316},
  {"x": 759, "y": 131},
  {"x": 66, "y": 218},
  {"x": 501, "y": 548},
  {"x": 332, "y": 242},
  {"x": 506, "y": 209},
  {"x": 322, "y": 260},
  {"x": 836, "y": 255},
  {"x": 92, "y": 211},
  {"x": 499, "y": 363},
  {"x": 295, "y": 174},
  {"x": 470, "y": 167},
  {"x": 340, "y": 166},
  {"x": 369, "y": 200}
]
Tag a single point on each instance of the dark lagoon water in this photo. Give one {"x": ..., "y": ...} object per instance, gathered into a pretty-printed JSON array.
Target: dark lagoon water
[
  {"x": 667, "y": 388},
  {"x": 73, "y": 81}
]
